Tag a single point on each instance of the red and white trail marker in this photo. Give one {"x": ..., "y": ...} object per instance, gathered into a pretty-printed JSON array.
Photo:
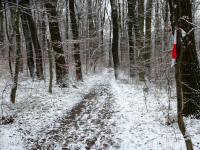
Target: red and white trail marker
[{"x": 174, "y": 51}]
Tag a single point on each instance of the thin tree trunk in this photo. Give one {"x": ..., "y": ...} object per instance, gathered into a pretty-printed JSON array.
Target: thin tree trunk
[
  {"x": 131, "y": 38},
  {"x": 61, "y": 69},
  {"x": 17, "y": 63},
  {"x": 102, "y": 16},
  {"x": 91, "y": 34},
  {"x": 33, "y": 30},
  {"x": 12, "y": 6},
  {"x": 166, "y": 22},
  {"x": 1, "y": 29},
  {"x": 28, "y": 41},
  {"x": 9, "y": 37},
  {"x": 148, "y": 36},
  {"x": 140, "y": 39},
  {"x": 75, "y": 32},
  {"x": 110, "y": 47},
  {"x": 115, "y": 40},
  {"x": 50, "y": 56}
]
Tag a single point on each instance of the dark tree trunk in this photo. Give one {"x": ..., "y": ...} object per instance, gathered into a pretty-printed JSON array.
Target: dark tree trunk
[
  {"x": 110, "y": 47},
  {"x": 166, "y": 22},
  {"x": 115, "y": 41},
  {"x": 158, "y": 31},
  {"x": 17, "y": 63},
  {"x": 138, "y": 24},
  {"x": 102, "y": 16},
  {"x": 67, "y": 20},
  {"x": 33, "y": 30},
  {"x": 140, "y": 39},
  {"x": 141, "y": 17},
  {"x": 9, "y": 37},
  {"x": 61, "y": 69},
  {"x": 91, "y": 35},
  {"x": 74, "y": 27},
  {"x": 50, "y": 56},
  {"x": 12, "y": 7},
  {"x": 28, "y": 41},
  {"x": 1, "y": 29},
  {"x": 181, "y": 17},
  {"x": 131, "y": 38},
  {"x": 148, "y": 47}
]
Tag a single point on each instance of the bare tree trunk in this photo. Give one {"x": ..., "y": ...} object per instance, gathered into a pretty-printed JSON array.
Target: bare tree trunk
[
  {"x": 102, "y": 16},
  {"x": 179, "y": 90},
  {"x": 75, "y": 32},
  {"x": 50, "y": 56},
  {"x": 91, "y": 35},
  {"x": 9, "y": 37},
  {"x": 17, "y": 63},
  {"x": 140, "y": 39},
  {"x": 189, "y": 65},
  {"x": 28, "y": 41},
  {"x": 1, "y": 29},
  {"x": 166, "y": 22},
  {"x": 33, "y": 30},
  {"x": 61, "y": 69},
  {"x": 131, "y": 8},
  {"x": 12, "y": 7},
  {"x": 148, "y": 36},
  {"x": 110, "y": 47},
  {"x": 115, "y": 40}
]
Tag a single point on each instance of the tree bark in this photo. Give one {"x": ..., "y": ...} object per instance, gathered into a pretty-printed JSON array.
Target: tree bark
[
  {"x": 28, "y": 42},
  {"x": 131, "y": 37},
  {"x": 115, "y": 41},
  {"x": 33, "y": 30},
  {"x": 91, "y": 35},
  {"x": 50, "y": 56},
  {"x": 75, "y": 32},
  {"x": 61, "y": 70},
  {"x": 17, "y": 63},
  {"x": 181, "y": 17},
  {"x": 148, "y": 35},
  {"x": 187, "y": 57},
  {"x": 1, "y": 29},
  {"x": 10, "y": 39}
]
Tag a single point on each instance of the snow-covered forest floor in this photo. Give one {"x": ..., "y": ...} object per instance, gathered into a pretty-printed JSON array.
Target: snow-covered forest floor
[{"x": 99, "y": 113}]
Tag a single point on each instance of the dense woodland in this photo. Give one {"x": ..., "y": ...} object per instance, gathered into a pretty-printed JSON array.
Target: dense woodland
[{"x": 65, "y": 40}]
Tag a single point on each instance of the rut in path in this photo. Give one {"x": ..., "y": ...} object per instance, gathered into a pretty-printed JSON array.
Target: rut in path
[{"x": 87, "y": 126}]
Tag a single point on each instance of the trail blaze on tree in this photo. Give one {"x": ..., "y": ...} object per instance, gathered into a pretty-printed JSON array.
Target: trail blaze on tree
[{"x": 187, "y": 68}]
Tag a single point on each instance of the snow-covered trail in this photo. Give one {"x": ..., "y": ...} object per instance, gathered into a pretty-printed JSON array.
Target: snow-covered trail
[
  {"x": 99, "y": 114},
  {"x": 87, "y": 126}
]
